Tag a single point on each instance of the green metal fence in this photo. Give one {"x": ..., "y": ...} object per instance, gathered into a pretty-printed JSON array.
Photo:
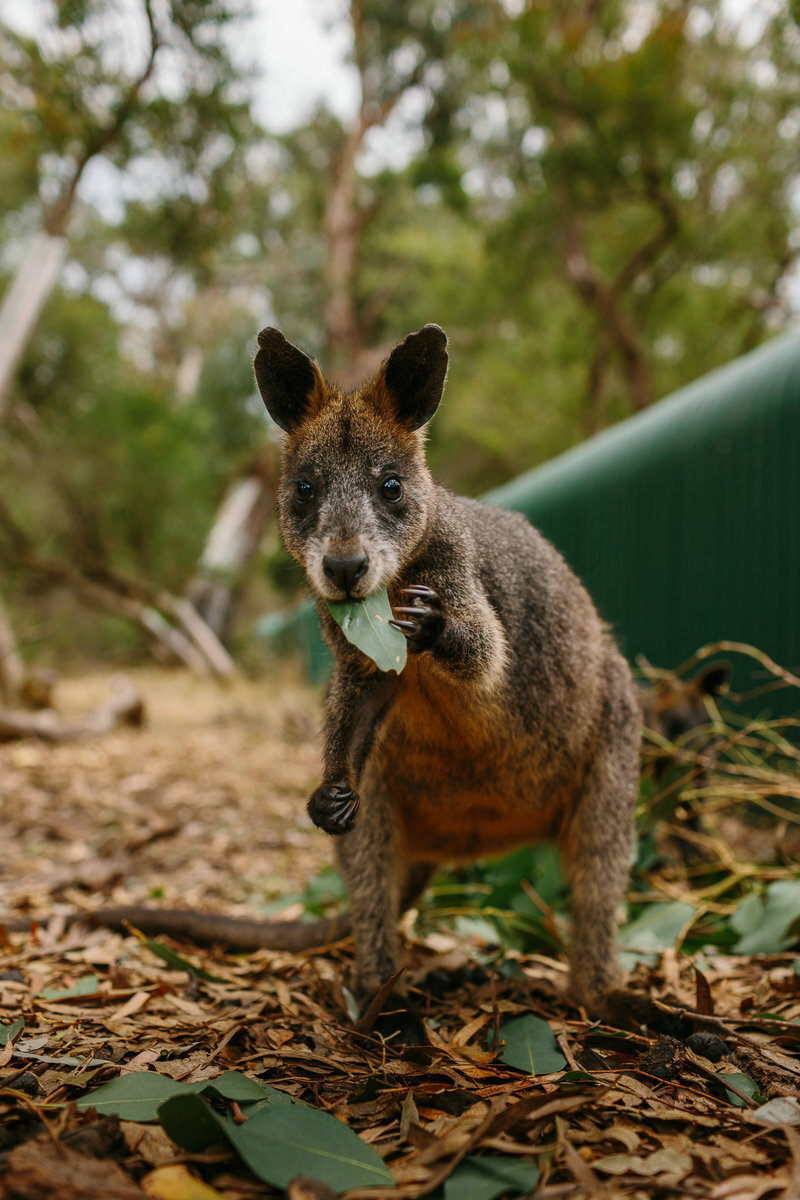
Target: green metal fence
[{"x": 684, "y": 521}]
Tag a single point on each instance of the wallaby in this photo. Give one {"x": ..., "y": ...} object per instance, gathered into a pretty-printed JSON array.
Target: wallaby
[
  {"x": 675, "y": 708},
  {"x": 515, "y": 719}
]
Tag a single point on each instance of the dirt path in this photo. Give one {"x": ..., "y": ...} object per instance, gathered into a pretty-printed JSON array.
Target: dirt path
[{"x": 202, "y": 807}]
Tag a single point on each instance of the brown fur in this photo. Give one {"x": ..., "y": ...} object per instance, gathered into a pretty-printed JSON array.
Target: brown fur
[{"x": 516, "y": 718}]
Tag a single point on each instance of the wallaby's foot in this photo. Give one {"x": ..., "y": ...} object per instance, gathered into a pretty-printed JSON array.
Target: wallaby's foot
[
  {"x": 333, "y": 807},
  {"x": 424, "y": 618},
  {"x": 627, "y": 1009},
  {"x": 400, "y": 1023},
  {"x": 439, "y": 982}
]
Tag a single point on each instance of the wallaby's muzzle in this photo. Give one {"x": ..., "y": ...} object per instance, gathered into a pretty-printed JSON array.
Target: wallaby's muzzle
[{"x": 345, "y": 572}]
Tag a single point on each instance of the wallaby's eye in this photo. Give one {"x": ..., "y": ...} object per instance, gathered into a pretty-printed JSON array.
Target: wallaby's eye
[
  {"x": 303, "y": 491},
  {"x": 392, "y": 489}
]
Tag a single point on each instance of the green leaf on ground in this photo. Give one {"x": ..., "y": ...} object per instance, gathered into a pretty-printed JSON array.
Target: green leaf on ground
[
  {"x": 530, "y": 1046},
  {"x": 658, "y": 928},
  {"x": 9, "y": 1032},
  {"x": 365, "y": 623},
  {"x": 769, "y": 923},
  {"x": 277, "y": 1143},
  {"x": 743, "y": 1082},
  {"x": 138, "y": 1095},
  {"x": 87, "y": 985},
  {"x": 176, "y": 960},
  {"x": 491, "y": 1176}
]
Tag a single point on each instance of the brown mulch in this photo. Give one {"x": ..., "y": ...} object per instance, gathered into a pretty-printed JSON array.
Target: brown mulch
[{"x": 205, "y": 807}]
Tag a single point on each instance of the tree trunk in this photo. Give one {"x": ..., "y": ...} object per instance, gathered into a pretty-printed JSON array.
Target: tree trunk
[
  {"x": 233, "y": 543},
  {"x": 23, "y": 304},
  {"x": 12, "y": 672},
  {"x": 36, "y": 278}
]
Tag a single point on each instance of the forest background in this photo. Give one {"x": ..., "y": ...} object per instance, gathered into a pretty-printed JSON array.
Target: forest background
[{"x": 598, "y": 201}]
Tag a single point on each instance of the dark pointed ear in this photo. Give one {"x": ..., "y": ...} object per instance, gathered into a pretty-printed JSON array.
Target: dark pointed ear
[
  {"x": 290, "y": 383},
  {"x": 413, "y": 376},
  {"x": 712, "y": 678}
]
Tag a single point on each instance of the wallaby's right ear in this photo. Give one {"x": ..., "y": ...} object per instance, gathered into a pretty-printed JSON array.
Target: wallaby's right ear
[{"x": 290, "y": 383}]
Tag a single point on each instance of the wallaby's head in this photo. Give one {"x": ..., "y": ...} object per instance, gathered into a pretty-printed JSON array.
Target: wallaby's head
[
  {"x": 675, "y": 707},
  {"x": 355, "y": 493}
]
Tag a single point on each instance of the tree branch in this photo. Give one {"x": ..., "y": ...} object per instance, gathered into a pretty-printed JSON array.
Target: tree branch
[{"x": 100, "y": 137}]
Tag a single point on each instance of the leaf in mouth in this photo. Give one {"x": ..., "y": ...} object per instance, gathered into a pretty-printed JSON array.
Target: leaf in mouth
[{"x": 365, "y": 623}]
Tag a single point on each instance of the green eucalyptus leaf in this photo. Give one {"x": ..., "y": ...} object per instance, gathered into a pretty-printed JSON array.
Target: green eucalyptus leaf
[
  {"x": 278, "y": 1142},
  {"x": 178, "y": 961},
  {"x": 658, "y": 928},
  {"x": 530, "y": 1046},
  {"x": 365, "y": 623},
  {"x": 138, "y": 1095},
  {"x": 743, "y": 1082},
  {"x": 491, "y": 1176},
  {"x": 9, "y": 1032},
  {"x": 87, "y": 985},
  {"x": 191, "y": 1123},
  {"x": 770, "y": 923}
]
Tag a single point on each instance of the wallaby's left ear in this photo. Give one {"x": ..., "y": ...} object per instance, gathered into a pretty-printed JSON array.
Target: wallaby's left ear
[
  {"x": 414, "y": 373},
  {"x": 290, "y": 383},
  {"x": 712, "y": 678}
]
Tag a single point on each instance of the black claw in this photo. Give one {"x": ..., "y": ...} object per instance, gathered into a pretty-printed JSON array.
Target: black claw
[
  {"x": 419, "y": 589},
  {"x": 333, "y": 807},
  {"x": 426, "y": 618}
]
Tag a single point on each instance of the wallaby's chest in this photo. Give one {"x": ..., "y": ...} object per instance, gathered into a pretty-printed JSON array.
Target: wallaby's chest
[{"x": 463, "y": 774}]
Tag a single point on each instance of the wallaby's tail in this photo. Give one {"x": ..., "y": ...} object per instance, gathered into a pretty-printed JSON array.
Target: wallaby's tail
[{"x": 207, "y": 929}]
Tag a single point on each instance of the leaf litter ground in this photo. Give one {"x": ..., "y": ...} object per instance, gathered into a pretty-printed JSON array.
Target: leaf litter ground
[{"x": 205, "y": 807}]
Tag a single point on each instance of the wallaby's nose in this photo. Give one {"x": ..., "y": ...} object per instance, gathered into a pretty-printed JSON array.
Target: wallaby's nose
[{"x": 345, "y": 572}]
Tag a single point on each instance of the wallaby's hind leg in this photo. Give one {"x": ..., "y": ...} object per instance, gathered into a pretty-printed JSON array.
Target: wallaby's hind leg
[
  {"x": 368, "y": 861},
  {"x": 381, "y": 884},
  {"x": 596, "y": 852}
]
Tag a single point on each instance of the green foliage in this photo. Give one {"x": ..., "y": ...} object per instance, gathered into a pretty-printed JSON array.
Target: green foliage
[
  {"x": 9, "y": 1032},
  {"x": 770, "y": 922},
  {"x": 659, "y": 927},
  {"x": 278, "y": 1140},
  {"x": 743, "y": 1084},
  {"x": 491, "y": 1176},
  {"x": 122, "y": 471},
  {"x": 87, "y": 985},
  {"x": 517, "y": 898},
  {"x": 138, "y": 1095},
  {"x": 528, "y": 1044}
]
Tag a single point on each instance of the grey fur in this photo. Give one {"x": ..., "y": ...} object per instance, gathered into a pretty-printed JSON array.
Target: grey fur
[{"x": 516, "y": 718}]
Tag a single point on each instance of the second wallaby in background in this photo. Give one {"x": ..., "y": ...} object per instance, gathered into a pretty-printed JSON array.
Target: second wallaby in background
[{"x": 516, "y": 718}]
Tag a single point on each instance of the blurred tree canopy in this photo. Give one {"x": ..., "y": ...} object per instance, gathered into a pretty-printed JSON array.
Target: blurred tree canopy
[{"x": 598, "y": 201}]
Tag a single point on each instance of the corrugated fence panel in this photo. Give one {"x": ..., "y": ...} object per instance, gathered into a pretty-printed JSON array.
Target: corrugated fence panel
[{"x": 684, "y": 521}]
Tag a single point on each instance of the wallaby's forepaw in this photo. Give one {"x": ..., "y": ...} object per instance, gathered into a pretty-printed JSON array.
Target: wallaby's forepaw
[
  {"x": 333, "y": 807},
  {"x": 423, "y": 620},
  {"x": 400, "y": 1023}
]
